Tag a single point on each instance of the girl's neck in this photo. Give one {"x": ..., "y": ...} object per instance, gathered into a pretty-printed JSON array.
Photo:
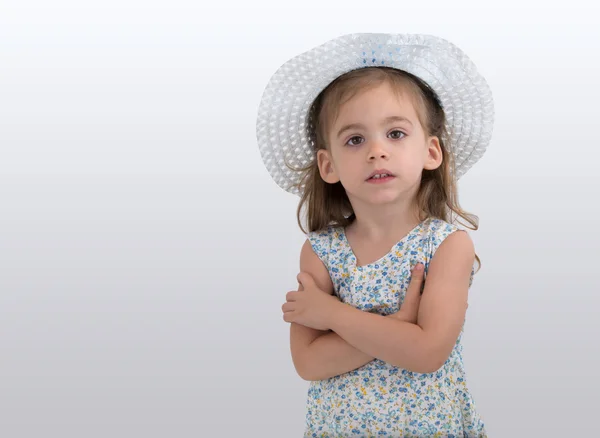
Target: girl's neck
[{"x": 384, "y": 223}]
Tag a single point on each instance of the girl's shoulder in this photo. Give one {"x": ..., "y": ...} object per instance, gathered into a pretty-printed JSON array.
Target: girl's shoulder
[
  {"x": 436, "y": 232},
  {"x": 438, "y": 229},
  {"x": 325, "y": 241}
]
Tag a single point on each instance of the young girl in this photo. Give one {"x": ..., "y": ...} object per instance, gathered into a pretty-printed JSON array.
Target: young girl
[{"x": 373, "y": 132}]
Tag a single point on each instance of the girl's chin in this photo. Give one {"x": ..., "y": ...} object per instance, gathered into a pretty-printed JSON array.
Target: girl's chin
[{"x": 389, "y": 197}]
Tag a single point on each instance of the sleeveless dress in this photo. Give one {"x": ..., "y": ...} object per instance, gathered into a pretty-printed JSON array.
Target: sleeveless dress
[{"x": 379, "y": 399}]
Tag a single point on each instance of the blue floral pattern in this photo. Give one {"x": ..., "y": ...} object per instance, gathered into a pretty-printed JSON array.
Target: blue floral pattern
[{"x": 379, "y": 399}]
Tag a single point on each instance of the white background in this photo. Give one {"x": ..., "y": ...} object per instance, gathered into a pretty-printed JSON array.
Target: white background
[{"x": 145, "y": 252}]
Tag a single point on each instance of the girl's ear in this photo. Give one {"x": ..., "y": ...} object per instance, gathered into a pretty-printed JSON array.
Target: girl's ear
[
  {"x": 434, "y": 154},
  {"x": 326, "y": 167}
]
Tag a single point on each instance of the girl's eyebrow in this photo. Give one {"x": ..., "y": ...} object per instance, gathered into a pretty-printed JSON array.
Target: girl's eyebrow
[{"x": 385, "y": 122}]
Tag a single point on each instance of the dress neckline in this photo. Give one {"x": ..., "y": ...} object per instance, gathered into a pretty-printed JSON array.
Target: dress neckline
[{"x": 385, "y": 257}]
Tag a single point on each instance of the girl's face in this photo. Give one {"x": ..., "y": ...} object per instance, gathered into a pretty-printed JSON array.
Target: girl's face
[{"x": 377, "y": 130}]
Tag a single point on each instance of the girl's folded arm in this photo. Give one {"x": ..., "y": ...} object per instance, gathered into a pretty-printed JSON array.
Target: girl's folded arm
[
  {"x": 318, "y": 354},
  {"x": 444, "y": 302}
]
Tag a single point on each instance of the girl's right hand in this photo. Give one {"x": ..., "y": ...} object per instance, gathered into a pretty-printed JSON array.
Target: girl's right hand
[{"x": 410, "y": 307}]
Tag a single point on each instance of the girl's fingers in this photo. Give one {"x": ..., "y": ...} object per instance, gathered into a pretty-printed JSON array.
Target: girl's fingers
[
  {"x": 291, "y": 295},
  {"x": 414, "y": 288},
  {"x": 287, "y": 307}
]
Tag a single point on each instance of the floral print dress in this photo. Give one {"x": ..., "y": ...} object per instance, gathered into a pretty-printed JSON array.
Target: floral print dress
[{"x": 379, "y": 399}]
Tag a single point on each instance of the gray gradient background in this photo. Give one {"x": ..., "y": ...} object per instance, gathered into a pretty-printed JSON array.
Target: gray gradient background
[{"x": 145, "y": 252}]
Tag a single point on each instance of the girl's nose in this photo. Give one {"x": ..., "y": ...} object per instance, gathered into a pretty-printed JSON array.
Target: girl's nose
[{"x": 377, "y": 151}]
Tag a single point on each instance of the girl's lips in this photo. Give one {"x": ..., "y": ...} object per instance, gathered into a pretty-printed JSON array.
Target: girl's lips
[{"x": 380, "y": 180}]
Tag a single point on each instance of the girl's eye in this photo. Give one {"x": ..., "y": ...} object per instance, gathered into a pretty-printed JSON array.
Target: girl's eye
[
  {"x": 350, "y": 141},
  {"x": 396, "y": 138}
]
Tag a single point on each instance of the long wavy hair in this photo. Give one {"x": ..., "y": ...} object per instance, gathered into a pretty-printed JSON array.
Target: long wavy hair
[{"x": 328, "y": 204}]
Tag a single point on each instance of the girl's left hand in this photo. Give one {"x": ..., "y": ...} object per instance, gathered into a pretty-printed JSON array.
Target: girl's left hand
[{"x": 311, "y": 307}]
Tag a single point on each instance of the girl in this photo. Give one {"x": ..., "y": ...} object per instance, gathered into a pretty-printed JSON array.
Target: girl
[{"x": 373, "y": 132}]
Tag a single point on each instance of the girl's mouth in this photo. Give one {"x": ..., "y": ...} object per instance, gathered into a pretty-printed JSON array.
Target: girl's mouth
[{"x": 380, "y": 179}]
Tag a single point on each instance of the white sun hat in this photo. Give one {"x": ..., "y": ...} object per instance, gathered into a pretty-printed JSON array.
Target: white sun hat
[{"x": 282, "y": 122}]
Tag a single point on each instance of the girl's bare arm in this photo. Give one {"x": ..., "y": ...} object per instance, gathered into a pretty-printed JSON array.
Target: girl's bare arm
[{"x": 319, "y": 354}]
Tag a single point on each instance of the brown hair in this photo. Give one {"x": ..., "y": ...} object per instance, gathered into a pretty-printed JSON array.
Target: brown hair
[{"x": 327, "y": 204}]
